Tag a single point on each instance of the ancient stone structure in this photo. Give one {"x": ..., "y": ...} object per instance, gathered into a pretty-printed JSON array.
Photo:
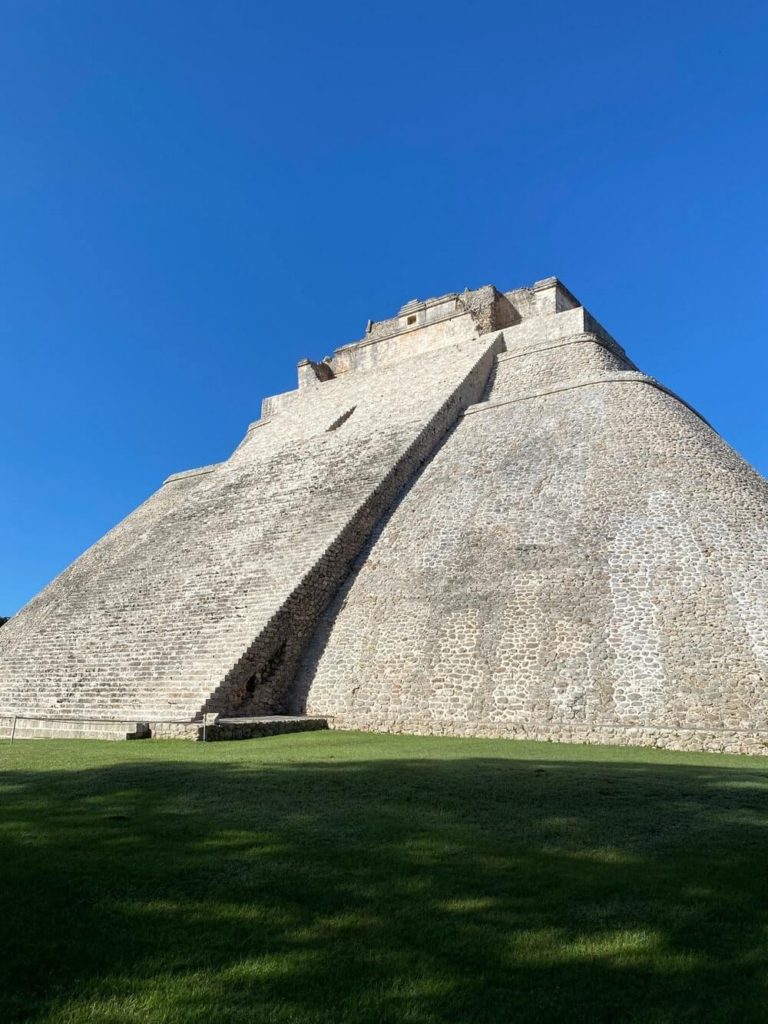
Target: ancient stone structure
[{"x": 481, "y": 519}]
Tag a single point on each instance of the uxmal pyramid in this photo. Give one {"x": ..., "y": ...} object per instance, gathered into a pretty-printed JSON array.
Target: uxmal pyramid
[{"x": 481, "y": 519}]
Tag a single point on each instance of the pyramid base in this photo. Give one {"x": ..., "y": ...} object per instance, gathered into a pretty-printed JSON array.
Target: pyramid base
[{"x": 693, "y": 739}]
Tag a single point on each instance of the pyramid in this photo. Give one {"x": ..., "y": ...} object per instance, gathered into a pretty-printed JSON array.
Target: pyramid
[{"x": 481, "y": 519}]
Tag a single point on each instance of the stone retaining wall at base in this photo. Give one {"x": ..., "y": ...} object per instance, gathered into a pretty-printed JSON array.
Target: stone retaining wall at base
[
  {"x": 24, "y": 727},
  {"x": 234, "y": 729},
  {"x": 717, "y": 741}
]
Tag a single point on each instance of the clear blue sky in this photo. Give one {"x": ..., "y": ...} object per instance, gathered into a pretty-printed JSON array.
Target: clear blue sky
[{"x": 194, "y": 195}]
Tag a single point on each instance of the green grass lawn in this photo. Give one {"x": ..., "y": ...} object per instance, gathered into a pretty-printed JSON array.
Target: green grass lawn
[{"x": 343, "y": 877}]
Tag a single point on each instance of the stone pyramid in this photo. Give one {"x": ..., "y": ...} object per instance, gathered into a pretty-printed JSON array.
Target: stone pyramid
[{"x": 480, "y": 519}]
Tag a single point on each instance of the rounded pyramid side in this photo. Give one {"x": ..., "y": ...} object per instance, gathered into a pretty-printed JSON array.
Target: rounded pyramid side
[{"x": 583, "y": 559}]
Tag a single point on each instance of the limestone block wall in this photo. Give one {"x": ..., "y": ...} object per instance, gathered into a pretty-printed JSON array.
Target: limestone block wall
[
  {"x": 524, "y": 372},
  {"x": 479, "y": 519},
  {"x": 205, "y": 597},
  {"x": 583, "y": 560}
]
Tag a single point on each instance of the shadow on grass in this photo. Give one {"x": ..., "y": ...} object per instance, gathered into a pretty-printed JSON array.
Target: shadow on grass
[{"x": 462, "y": 890}]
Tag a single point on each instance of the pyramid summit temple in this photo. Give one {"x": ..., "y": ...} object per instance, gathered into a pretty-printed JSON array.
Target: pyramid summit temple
[{"x": 480, "y": 519}]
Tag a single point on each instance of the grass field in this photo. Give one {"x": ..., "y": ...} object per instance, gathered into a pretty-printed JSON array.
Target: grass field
[{"x": 332, "y": 877}]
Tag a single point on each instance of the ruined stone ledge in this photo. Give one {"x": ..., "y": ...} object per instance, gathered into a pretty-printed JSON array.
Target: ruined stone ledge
[
  {"x": 187, "y": 473},
  {"x": 582, "y": 338},
  {"x": 626, "y": 377},
  {"x": 20, "y": 727},
  {"x": 257, "y": 423},
  {"x": 27, "y": 727},
  {"x": 237, "y": 728}
]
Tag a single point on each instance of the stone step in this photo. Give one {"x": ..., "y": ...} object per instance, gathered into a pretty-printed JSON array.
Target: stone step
[
  {"x": 158, "y": 726},
  {"x": 89, "y": 709},
  {"x": 29, "y": 728}
]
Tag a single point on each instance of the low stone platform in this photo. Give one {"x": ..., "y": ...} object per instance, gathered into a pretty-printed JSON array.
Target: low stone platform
[
  {"x": 215, "y": 728},
  {"x": 22, "y": 728},
  {"x": 237, "y": 728},
  {"x": 268, "y": 725}
]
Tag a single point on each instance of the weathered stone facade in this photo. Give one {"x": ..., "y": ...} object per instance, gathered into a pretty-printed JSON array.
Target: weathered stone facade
[{"x": 481, "y": 519}]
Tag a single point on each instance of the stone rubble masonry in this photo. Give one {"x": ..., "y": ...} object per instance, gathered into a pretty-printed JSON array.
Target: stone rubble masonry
[
  {"x": 480, "y": 519},
  {"x": 236, "y": 728}
]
